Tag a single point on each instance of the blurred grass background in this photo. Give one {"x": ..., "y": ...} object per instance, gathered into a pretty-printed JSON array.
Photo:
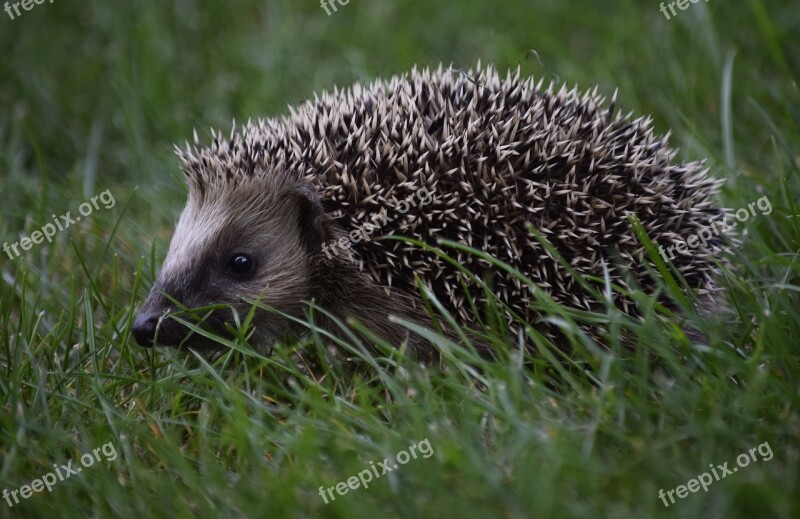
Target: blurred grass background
[{"x": 93, "y": 95}]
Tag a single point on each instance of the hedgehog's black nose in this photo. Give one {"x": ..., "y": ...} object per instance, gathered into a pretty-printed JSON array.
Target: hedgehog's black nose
[{"x": 144, "y": 328}]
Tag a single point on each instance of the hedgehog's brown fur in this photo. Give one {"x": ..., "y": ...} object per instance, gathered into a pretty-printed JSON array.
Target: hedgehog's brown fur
[{"x": 498, "y": 155}]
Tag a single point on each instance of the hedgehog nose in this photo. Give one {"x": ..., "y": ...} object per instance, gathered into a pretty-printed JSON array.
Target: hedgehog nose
[{"x": 144, "y": 328}]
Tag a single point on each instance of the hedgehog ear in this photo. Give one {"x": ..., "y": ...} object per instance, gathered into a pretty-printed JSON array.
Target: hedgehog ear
[{"x": 312, "y": 218}]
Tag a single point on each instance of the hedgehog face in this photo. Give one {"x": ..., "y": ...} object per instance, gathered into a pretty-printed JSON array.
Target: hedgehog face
[{"x": 235, "y": 241}]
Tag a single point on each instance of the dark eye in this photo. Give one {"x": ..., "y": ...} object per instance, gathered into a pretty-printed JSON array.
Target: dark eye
[{"x": 240, "y": 265}]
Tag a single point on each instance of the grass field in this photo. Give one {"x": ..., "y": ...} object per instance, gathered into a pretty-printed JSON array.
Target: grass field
[{"x": 92, "y": 96}]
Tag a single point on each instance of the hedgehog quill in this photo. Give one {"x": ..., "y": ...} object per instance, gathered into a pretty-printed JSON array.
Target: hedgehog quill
[{"x": 498, "y": 154}]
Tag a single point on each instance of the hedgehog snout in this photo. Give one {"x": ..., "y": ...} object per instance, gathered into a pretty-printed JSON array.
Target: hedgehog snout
[
  {"x": 157, "y": 327},
  {"x": 157, "y": 320},
  {"x": 154, "y": 325},
  {"x": 144, "y": 328}
]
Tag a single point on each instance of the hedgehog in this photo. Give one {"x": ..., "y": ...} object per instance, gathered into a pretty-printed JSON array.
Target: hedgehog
[{"x": 283, "y": 210}]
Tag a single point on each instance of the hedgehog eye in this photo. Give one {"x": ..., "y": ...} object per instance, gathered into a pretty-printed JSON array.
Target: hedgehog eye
[{"x": 240, "y": 265}]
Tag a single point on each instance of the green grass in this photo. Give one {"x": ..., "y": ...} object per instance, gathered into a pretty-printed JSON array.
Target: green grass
[{"x": 92, "y": 96}]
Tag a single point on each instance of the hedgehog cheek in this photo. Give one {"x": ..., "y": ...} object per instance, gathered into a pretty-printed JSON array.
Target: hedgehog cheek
[{"x": 311, "y": 218}]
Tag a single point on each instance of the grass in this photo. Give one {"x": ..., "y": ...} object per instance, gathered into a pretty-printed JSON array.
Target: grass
[{"x": 95, "y": 93}]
